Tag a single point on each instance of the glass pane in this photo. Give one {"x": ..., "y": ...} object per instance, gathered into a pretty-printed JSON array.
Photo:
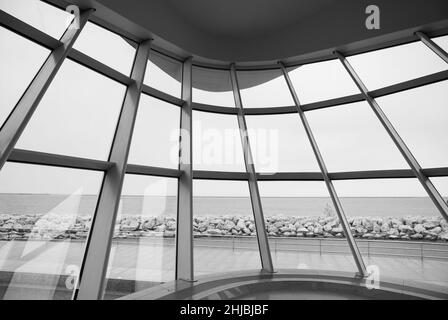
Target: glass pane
[
  {"x": 216, "y": 142},
  {"x": 39, "y": 15},
  {"x": 20, "y": 60},
  {"x": 156, "y": 129},
  {"x": 280, "y": 144},
  {"x": 212, "y": 87},
  {"x": 441, "y": 184},
  {"x": 143, "y": 250},
  {"x": 351, "y": 138},
  {"x": 45, "y": 215},
  {"x": 321, "y": 81},
  {"x": 164, "y": 74},
  {"x": 303, "y": 227},
  {"x": 421, "y": 117},
  {"x": 442, "y": 42},
  {"x": 223, "y": 227},
  {"x": 106, "y": 47},
  {"x": 77, "y": 116},
  {"x": 265, "y": 88},
  {"x": 389, "y": 66},
  {"x": 400, "y": 214}
]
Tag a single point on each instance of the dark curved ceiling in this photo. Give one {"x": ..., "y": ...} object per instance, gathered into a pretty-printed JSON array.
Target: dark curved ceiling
[
  {"x": 259, "y": 30},
  {"x": 243, "y": 19}
]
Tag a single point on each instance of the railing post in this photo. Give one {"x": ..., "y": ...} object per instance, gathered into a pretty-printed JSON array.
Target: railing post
[
  {"x": 260, "y": 226},
  {"x": 184, "y": 233},
  {"x": 435, "y": 196},
  {"x": 96, "y": 257},
  {"x": 331, "y": 190},
  {"x": 20, "y": 116},
  {"x": 421, "y": 251}
]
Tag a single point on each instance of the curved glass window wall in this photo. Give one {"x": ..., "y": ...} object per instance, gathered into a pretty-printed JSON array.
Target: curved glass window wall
[{"x": 252, "y": 155}]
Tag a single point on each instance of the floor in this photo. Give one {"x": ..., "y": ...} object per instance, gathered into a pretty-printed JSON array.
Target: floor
[{"x": 37, "y": 269}]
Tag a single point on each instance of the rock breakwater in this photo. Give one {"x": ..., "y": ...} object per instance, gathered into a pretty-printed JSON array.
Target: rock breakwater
[{"x": 54, "y": 227}]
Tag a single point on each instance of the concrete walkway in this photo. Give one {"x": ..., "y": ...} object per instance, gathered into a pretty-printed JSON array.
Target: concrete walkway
[{"x": 44, "y": 266}]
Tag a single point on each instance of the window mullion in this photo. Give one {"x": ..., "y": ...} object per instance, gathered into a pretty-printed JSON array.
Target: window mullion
[
  {"x": 23, "y": 111},
  {"x": 263, "y": 243},
  {"x": 94, "y": 267},
  {"x": 433, "y": 46},
  {"x": 332, "y": 191},
  {"x": 184, "y": 230},
  {"x": 435, "y": 196}
]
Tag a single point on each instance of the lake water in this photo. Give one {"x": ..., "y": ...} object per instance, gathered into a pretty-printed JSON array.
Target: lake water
[{"x": 215, "y": 206}]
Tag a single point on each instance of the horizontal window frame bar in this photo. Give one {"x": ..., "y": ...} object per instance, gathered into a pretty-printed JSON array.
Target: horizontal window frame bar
[
  {"x": 220, "y": 175},
  {"x": 152, "y": 171},
  {"x": 330, "y": 103},
  {"x": 333, "y": 102},
  {"x": 162, "y": 95},
  {"x": 410, "y": 84},
  {"x": 99, "y": 67},
  {"x": 387, "y": 174},
  {"x": 56, "y": 160},
  {"x": 290, "y": 176},
  {"x": 27, "y": 31},
  {"x": 213, "y": 108}
]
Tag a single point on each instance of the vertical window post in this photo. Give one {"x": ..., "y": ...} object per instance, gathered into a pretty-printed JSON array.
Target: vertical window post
[
  {"x": 93, "y": 270},
  {"x": 263, "y": 243},
  {"x": 184, "y": 233},
  {"x": 24, "y": 109},
  {"x": 435, "y": 196},
  {"x": 331, "y": 190}
]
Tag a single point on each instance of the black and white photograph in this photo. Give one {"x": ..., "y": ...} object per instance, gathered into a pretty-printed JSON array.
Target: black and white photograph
[{"x": 223, "y": 156}]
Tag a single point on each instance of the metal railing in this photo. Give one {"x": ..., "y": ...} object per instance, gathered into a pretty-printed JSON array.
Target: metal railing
[{"x": 321, "y": 246}]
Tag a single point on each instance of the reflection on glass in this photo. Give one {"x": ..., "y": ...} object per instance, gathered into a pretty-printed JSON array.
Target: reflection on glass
[
  {"x": 143, "y": 250},
  {"x": 420, "y": 117},
  {"x": 77, "y": 116},
  {"x": 216, "y": 142},
  {"x": 389, "y": 66},
  {"x": 280, "y": 144},
  {"x": 223, "y": 227},
  {"x": 400, "y": 214},
  {"x": 351, "y": 138},
  {"x": 20, "y": 60},
  {"x": 164, "y": 74},
  {"x": 156, "y": 128},
  {"x": 321, "y": 81},
  {"x": 39, "y": 15},
  {"x": 303, "y": 227},
  {"x": 45, "y": 215},
  {"x": 265, "y": 88},
  {"x": 212, "y": 87},
  {"x": 106, "y": 47}
]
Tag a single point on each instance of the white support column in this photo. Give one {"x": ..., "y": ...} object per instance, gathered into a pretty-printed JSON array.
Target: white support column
[
  {"x": 435, "y": 196},
  {"x": 23, "y": 111},
  {"x": 331, "y": 190},
  {"x": 263, "y": 243},
  {"x": 184, "y": 233},
  {"x": 93, "y": 271}
]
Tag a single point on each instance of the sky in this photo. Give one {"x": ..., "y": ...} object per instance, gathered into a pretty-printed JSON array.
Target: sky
[{"x": 79, "y": 112}]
